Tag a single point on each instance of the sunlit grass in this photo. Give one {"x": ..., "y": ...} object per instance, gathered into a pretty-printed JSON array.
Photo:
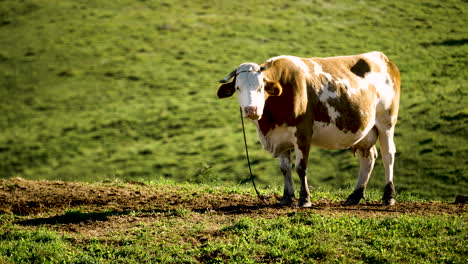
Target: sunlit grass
[{"x": 127, "y": 90}]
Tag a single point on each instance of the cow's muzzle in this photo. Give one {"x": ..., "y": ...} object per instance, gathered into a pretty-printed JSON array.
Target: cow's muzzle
[{"x": 251, "y": 112}]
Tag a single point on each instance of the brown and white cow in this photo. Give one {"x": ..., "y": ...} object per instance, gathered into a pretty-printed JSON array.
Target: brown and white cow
[{"x": 333, "y": 103}]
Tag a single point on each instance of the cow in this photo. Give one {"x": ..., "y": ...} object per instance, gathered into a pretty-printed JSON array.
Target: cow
[{"x": 344, "y": 102}]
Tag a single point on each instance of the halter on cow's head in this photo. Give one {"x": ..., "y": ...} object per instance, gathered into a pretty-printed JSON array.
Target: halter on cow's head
[{"x": 252, "y": 86}]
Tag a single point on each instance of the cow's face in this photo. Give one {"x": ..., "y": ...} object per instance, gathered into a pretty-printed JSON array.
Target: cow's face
[{"x": 252, "y": 89}]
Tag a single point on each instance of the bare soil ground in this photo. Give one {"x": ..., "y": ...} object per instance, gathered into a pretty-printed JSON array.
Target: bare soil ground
[{"x": 110, "y": 206}]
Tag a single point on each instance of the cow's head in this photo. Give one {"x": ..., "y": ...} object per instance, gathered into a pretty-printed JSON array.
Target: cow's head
[{"x": 252, "y": 88}]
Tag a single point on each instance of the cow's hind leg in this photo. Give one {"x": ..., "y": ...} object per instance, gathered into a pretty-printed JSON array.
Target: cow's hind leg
[
  {"x": 388, "y": 149},
  {"x": 367, "y": 153},
  {"x": 367, "y": 159},
  {"x": 286, "y": 168}
]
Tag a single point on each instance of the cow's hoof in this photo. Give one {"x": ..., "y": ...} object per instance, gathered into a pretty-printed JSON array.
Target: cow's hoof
[
  {"x": 389, "y": 202},
  {"x": 350, "y": 202},
  {"x": 304, "y": 204},
  {"x": 389, "y": 195},
  {"x": 286, "y": 201},
  {"x": 354, "y": 198}
]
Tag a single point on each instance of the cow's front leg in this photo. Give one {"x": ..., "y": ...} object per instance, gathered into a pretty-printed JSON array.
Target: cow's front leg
[
  {"x": 302, "y": 155},
  {"x": 286, "y": 168}
]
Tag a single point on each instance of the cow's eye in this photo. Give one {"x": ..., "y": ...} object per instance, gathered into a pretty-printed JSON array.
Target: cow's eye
[{"x": 238, "y": 89}]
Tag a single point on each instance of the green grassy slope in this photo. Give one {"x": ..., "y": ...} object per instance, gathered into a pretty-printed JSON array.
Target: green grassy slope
[
  {"x": 299, "y": 238},
  {"x": 93, "y": 91}
]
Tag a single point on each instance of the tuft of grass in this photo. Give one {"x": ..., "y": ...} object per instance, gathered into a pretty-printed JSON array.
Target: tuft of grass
[{"x": 39, "y": 246}]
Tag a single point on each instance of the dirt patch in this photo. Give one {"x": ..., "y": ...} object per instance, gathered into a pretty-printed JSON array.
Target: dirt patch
[
  {"x": 96, "y": 209},
  {"x": 24, "y": 197}
]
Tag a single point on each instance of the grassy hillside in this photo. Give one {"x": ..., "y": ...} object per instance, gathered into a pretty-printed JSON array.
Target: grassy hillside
[{"x": 126, "y": 89}]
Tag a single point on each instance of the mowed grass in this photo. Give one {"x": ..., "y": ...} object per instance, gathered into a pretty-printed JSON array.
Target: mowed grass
[{"x": 105, "y": 90}]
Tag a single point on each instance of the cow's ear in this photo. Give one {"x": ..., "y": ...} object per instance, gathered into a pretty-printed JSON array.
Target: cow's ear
[
  {"x": 273, "y": 88},
  {"x": 226, "y": 90}
]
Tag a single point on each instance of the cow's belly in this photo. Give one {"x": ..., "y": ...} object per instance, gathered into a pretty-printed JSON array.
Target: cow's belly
[
  {"x": 331, "y": 137},
  {"x": 283, "y": 138}
]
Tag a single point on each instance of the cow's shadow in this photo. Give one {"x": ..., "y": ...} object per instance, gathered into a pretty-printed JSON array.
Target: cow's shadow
[
  {"x": 77, "y": 217},
  {"x": 236, "y": 209},
  {"x": 71, "y": 218}
]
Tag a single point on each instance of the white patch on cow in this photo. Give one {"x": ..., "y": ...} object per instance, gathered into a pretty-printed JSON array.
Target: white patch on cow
[
  {"x": 299, "y": 155},
  {"x": 327, "y": 94},
  {"x": 378, "y": 79},
  {"x": 381, "y": 80},
  {"x": 250, "y": 85},
  {"x": 393, "y": 119},
  {"x": 344, "y": 82},
  {"x": 324, "y": 97},
  {"x": 383, "y": 86},
  {"x": 278, "y": 140},
  {"x": 327, "y": 135},
  {"x": 332, "y": 113},
  {"x": 376, "y": 57}
]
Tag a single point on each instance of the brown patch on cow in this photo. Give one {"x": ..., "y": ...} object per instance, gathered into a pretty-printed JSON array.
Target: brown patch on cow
[
  {"x": 349, "y": 118},
  {"x": 354, "y": 110},
  {"x": 291, "y": 77},
  {"x": 395, "y": 76},
  {"x": 279, "y": 110},
  {"x": 291, "y": 105},
  {"x": 318, "y": 109},
  {"x": 303, "y": 137},
  {"x": 372, "y": 90},
  {"x": 365, "y": 99},
  {"x": 361, "y": 68},
  {"x": 331, "y": 88}
]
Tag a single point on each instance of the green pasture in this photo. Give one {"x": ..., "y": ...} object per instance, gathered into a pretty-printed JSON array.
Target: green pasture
[
  {"x": 300, "y": 238},
  {"x": 126, "y": 89}
]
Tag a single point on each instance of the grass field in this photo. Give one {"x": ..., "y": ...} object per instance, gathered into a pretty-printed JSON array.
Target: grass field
[
  {"x": 301, "y": 238},
  {"x": 98, "y": 91}
]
